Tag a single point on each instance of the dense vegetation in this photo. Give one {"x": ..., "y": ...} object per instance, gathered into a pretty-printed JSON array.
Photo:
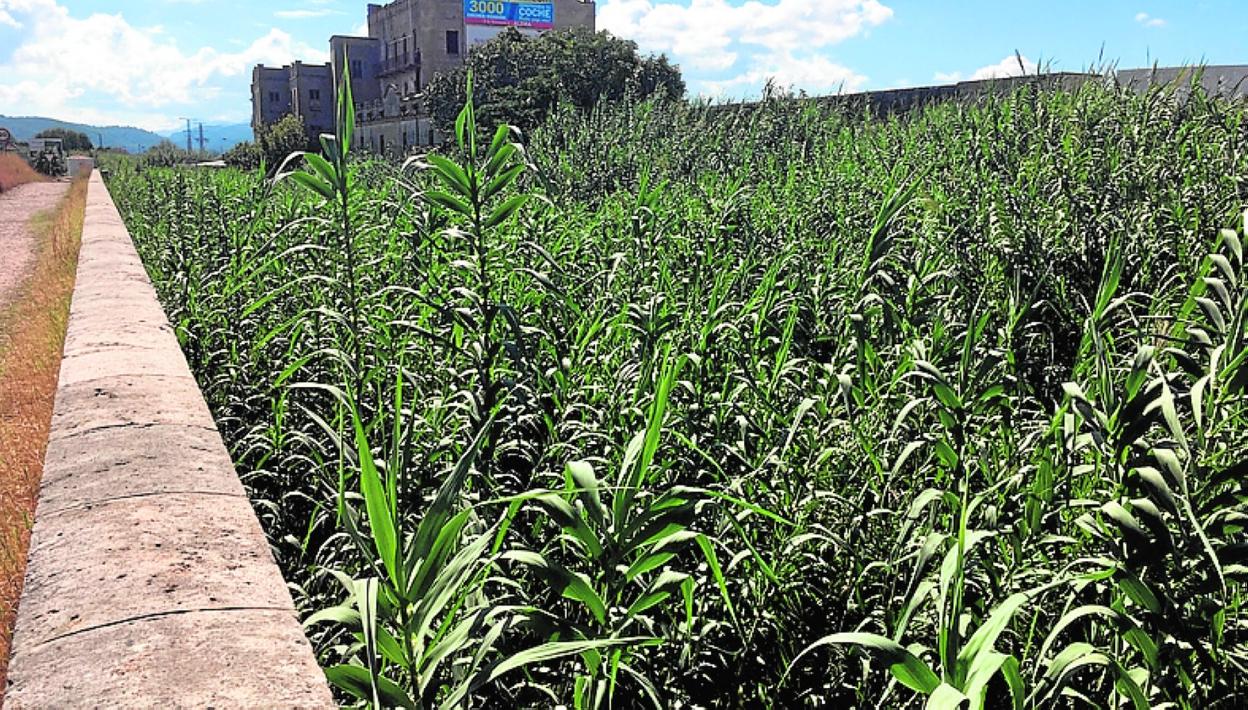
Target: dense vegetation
[
  {"x": 773, "y": 406},
  {"x": 272, "y": 145},
  {"x": 519, "y": 80}
]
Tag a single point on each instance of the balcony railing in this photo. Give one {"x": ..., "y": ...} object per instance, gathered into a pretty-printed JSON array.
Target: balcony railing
[{"x": 401, "y": 63}]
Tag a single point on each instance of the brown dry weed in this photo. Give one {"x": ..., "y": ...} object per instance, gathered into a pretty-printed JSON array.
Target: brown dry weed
[
  {"x": 14, "y": 171},
  {"x": 32, "y": 335}
]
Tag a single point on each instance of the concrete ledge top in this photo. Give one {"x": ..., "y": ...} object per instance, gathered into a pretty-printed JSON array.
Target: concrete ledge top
[{"x": 150, "y": 582}]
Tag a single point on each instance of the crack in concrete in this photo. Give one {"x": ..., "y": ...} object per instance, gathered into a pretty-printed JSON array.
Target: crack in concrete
[
  {"x": 135, "y": 496},
  {"x": 148, "y": 425},
  {"x": 187, "y": 376},
  {"x": 76, "y": 433},
  {"x": 155, "y": 615}
]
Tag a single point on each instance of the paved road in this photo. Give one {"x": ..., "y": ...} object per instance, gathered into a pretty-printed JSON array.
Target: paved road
[{"x": 17, "y": 242}]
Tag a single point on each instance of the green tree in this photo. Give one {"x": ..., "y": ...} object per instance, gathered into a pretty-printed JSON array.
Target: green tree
[
  {"x": 165, "y": 154},
  {"x": 245, "y": 156},
  {"x": 280, "y": 139},
  {"x": 71, "y": 140},
  {"x": 519, "y": 80}
]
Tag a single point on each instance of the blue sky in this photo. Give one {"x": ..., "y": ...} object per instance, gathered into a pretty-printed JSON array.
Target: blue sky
[{"x": 150, "y": 62}]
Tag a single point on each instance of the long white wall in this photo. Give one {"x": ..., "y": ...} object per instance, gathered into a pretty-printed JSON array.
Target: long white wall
[{"x": 150, "y": 582}]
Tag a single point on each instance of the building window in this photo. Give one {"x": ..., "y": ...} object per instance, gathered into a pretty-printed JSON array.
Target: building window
[
  {"x": 274, "y": 97},
  {"x": 452, "y": 42},
  {"x": 357, "y": 69},
  {"x": 314, "y": 94}
]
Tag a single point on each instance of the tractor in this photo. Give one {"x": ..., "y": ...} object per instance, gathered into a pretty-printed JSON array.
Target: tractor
[{"x": 47, "y": 155}]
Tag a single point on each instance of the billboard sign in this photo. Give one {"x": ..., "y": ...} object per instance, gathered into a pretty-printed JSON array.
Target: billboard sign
[{"x": 512, "y": 13}]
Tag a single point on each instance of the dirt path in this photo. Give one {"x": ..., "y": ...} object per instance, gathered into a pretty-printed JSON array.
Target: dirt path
[
  {"x": 37, "y": 268},
  {"x": 17, "y": 242}
]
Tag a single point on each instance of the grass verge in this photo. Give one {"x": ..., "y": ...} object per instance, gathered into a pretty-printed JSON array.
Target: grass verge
[
  {"x": 32, "y": 335},
  {"x": 14, "y": 171}
]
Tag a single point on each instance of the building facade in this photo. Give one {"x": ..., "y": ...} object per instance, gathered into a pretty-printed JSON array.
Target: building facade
[
  {"x": 408, "y": 43},
  {"x": 305, "y": 90}
]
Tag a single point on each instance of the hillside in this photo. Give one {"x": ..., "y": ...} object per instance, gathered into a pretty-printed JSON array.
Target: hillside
[
  {"x": 135, "y": 140},
  {"x": 132, "y": 139}
]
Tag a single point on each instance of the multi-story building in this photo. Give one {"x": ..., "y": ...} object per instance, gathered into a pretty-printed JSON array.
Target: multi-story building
[
  {"x": 408, "y": 43},
  {"x": 305, "y": 90}
]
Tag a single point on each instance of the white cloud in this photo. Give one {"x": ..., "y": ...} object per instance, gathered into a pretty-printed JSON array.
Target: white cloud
[
  {"x": 1005, "y": 68},
  {"x": 1149, "y": 21},
  {"x": 710, "y": 34},
  {"x": 102, "y": 69},
  {"x": 816, "y": 74},
  {"x": 9, "y": 21}
]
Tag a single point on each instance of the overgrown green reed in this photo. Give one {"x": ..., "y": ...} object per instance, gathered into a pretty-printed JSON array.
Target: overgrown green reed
[{"x": 671, "y": 406}]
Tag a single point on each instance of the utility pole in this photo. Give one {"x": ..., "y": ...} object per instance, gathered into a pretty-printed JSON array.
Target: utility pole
[
  {"x": 201, "y": 137},
  {"x": 188, "y": 134}
]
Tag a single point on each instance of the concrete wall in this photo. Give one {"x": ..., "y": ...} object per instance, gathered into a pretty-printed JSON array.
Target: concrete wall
[
  {"x": 396, "y": 138},
  {"x": 434, "y": 19},
  {"x": 80, "y": 165},
  {"x": 573, "y": 13},
  {"x": 150, "y": 583},
  {"x": 901, "y": 100},
  {"x": 267, "y": 83},
  {"x": 312, "y": 97},
  {"x": 1229, "y": 81},
  {"x": 365, "y": 85},
  {"x": 394, "y": 26}
]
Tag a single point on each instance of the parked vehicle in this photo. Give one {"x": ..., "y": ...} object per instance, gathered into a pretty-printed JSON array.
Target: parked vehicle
[{"x": 47, "y": 155}]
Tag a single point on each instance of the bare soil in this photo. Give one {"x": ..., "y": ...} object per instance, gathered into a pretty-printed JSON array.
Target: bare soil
[{"x": 17, "y": 240}]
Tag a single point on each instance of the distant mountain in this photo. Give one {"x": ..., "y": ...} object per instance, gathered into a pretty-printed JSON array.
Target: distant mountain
[
  {"x": 216, "y": 138},
  {"x": 134, "y": 140}
]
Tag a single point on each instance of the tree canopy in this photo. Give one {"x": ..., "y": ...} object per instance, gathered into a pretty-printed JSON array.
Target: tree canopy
[
  {"x": 519, "y": 80},
  {"x": 273, "y": 144},
  {"x": 70, "y": 140}
]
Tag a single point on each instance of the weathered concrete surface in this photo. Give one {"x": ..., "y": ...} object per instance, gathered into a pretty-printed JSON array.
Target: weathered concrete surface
[{"x": 150, "y": 583}]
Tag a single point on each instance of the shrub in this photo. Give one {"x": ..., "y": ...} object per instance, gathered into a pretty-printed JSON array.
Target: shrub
[{"x": 245, "y": 156}]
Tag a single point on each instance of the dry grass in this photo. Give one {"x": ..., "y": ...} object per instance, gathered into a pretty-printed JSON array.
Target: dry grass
[
  {"x": 32, "y": 334},
  {"x": 14, "y": 171}
]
